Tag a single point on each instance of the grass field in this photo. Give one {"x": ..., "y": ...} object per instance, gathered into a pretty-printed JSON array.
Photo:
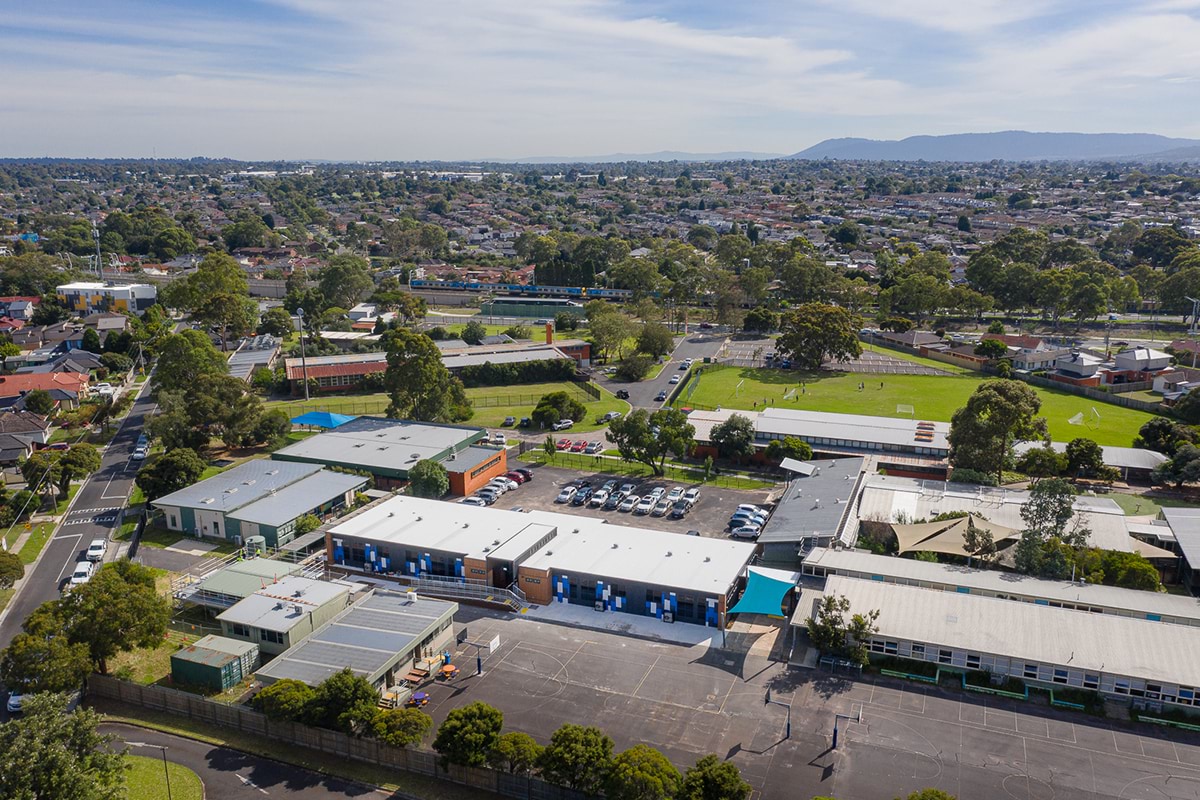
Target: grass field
[
  {"x": 147, "y": 780},
  {"x": 932, "y": 397},
  {"x": 492, "y": 403}
]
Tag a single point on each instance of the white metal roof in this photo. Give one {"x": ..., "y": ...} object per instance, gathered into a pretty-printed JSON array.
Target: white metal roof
[
  {"x": 1119, "y": 457},
  {"x": 851, "y": 427},
  {"x": 283, "y": 604},
  {"x": 381, "y": 443},
  {"x": 239, "y": 486},
  {"x": 1102, "y": 643}
]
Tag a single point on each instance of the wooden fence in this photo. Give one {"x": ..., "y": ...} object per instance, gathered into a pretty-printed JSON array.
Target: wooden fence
[{"x": 370, "y": 751}]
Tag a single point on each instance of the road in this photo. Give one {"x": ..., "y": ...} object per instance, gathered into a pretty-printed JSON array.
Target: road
[
  {"x": 93, "y": 515},
  {"x": 694, "y": 345},
  {"x": 233, "y": 775}
]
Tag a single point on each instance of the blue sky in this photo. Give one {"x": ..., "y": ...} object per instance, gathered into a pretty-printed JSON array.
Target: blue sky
[{"x": 462, "y": 79}]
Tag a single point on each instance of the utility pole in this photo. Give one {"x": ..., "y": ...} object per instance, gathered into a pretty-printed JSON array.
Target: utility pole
[
  {"x": 99, "y": 264},
  {"x": 303, "y": 358}
]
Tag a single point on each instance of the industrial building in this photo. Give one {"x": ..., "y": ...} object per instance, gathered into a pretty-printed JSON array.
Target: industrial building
[
  {"x": 389, "y": 448},
  {"x": 258, "y": 498},
  {"x": 214, "y": 663},
  {"x": 85, "y": 297},
  {"x": 1118, "y": 656},
  {"x": 284, "y": 613},
  {"x": 380, "y": 638},
  {"x": 546, "y": 557}
]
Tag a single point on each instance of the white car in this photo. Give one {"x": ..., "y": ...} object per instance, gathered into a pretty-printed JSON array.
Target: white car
[
  {"x": 498, "y": 438},
  {"x": 502, "y": 485},
  {"x": 566, "y": 494},
  {"x": 745, "y": 532},
  {"x": 661, "y": 508},
  {"x": 563, "y": 424},
  {"x": 657, "y": 492},
  {"x": 598, "y": 499},
  {"x": 629, "y": 503},
  {"x": 751, "y": 509},
  {"x": 691, "y": 495},
  {"x": 82, "y": 574},
  {"x": 645, "y": 505},
  {"x": 674, "y": 380},
  {"x": 676, "y": 493},
  {"x": 14, "y": 703},
  {"x": 97, "y": 549},
  {"x": 627, "y": 488},
  {"x": 140, "y": 454},
  {"x": 473, "y": 501}
]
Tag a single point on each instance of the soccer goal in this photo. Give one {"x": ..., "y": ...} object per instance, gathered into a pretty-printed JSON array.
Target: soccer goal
[
  {"x": 790, "y": 394},
  {"x": 737, "y": 390},
  {"x": 905, "y": 409}
]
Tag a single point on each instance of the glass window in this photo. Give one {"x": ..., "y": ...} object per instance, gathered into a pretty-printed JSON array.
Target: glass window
[
  {"x": 944, "y": 656},
  {"x": 271, "y": 636},
  {"x": 239, "y": 630},
  {"x": 1031, "y": 671},
  {"x": 889, "y": 647},
  {"x": 1091, "y": 681},
  {"x": 1121, "y": 686},
  {"x": 973, "y": 660},
  {"x": 1060, "y": 676},
  {"x": 918, "y": 649}
]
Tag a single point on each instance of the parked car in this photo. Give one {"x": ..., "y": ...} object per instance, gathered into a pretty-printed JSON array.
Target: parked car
[
  {"x": 627, "y": 488},
  {"x": 599, "y": 498},
  {"x": 693, "y": 533},
  {"x": 516, "y": 476},
  {"x": 563, "y": 424},
  {"x": 747, "y": 519},
  {"x": 526, "y": 422},
  {"x": 509, "y": 421},
  {"x": 96, "y": 550},
  {"x": 498, "y": 438},
  {"x": 610, "y": 416},
  {"x": 566, "y": 494},
  {"x": 473, "y": 501},
  {"x": 691, "y": 495},
  {"x": 564, "y": 444},
  {"x": 680, "y": 509},
  {"x": 744, "y": 533},
  {"x": 676, "y": 493},
  {"x": 682, "y": 365},
  {"x": 579, "y": 446},
  {"x": 14, "y": 703},
  {"x": 657, "y": 492},
  {"x": 614, "y": 501},
  {"x": 645, "y": 505},
  {"x": 661, "y": 508},
  {"x": 139, "y": 454},
  {"x": 748, "y": 507},
  {"x": 661, "y": 396},
  {"x": 610, "y": 485},
  {"x": 594, "y": 447},
  {"x": 528, "y": 473},
  {"x": 82, "y": 574},
  {"x": 706, "y": 326},
  {"x": 541, "y": 322},
  {"x": 507, "y": 483},
  {"x": 622, "y": 394},
  {"x": 582, "y": 496},
  {"x": 629, "y": 503},
  {"x": 488, "y": 495}
]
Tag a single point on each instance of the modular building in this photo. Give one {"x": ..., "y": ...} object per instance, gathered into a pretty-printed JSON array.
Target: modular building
[
  {"x": 284, "y": 613},
  {"x": 88, "y": 296},
  {"x": 389, "y": 448},
  {"x": 818, "y": 501},
  {"x": 258, "y": 498},
  {"x": 548, "y": 557},
  {"x": 214, "y": 663}
]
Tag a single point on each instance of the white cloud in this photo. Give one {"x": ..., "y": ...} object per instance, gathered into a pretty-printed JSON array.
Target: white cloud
[{"x": 958, "y": 16}]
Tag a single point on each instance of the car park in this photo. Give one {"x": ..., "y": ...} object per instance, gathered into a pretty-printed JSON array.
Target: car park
[
  {"x": 622, "y": 394},
  {"x": 680, "y": 508},
  {"x": 508, "y": 421},
  {"x": 614, "y": 501},
  {"x": 674, "y": 380},
  {"x": 645, "y": 505},
  {"x": 566, "y": 494},
  {"x": 473, "y": 501},
  {"x": 564, "y": 444},
  {"x": 82, "y": 574},
  {"x": 745, "y": 533},
  {"x": 96, "y": 550},
  {"x": 563, "y": 424},
  {"x": 599, "y": 498},
  {"x": 629, "y": 503},
  {"x": 661, "y": 508},
  {"x": 661, "y": 396},
  {"x": 582, "y": 496}
]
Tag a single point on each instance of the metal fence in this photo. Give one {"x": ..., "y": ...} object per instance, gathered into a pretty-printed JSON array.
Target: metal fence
[
  {"x": 377, "y": 404},
  {"x": 370, "y": 751}
]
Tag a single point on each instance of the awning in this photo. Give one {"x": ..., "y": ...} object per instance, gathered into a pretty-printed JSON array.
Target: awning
[
  {"x": 764, "y": 594},
  {"x": 801, "y": 467},
  {"x": 947, "y": 536},
  {"x": 322, "y": 419}
]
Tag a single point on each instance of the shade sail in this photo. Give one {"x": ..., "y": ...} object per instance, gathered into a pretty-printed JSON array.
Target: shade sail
[
  {"x": 764, "y": 595},
  {"x": 946, "y": 536},
  {"x": 322, "y": 419}
]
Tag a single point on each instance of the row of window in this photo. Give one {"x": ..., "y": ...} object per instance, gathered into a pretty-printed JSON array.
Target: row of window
[
  {"x": 275, "y": 637},
  {"x": 485, "y": 466},
  {"x": 860, "y": 445}
]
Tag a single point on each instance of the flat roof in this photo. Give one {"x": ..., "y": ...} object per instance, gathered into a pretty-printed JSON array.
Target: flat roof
[
  {"x": 368, "y": 638},
  {"x": 1094, "y": 594},
  {"x": 582, "y": 544},
  {"x": 91, "y": 286},
  {"x": 381, "y": 443},
  {"x": 298, "y": 498},
  {"x": 239, "y": 486},
  {"x": 458, "y": 360},
  {"x": 470, "y": 458},
  {"x": 887, "y": 498},
  {"x": 1101, "y": 643},
  {"x": 283, "y": 604},
  {"x": 244, "y": 578},
  {"x": 900, "y": 431},
  {"x": 814, "y": 504}
]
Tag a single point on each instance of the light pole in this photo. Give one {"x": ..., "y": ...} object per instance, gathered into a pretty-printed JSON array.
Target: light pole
[
  {"x": 163, "y": 750},
  {"x": 303, "y": 359},
  {"x": 99, "y": 266}
]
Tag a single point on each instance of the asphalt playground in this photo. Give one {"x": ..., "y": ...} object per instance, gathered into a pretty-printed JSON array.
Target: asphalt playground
[{"x": 688, "y": 701}]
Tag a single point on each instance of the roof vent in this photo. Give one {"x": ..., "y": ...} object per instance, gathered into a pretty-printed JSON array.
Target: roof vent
[
  {"x": 615, "y": 546},
  {"x": 231, "y": 490},
  {"x": 278, "y": 606},
  {"x": 549, "y": 552},
  {"x": 272, "y": 472},
  {"x": 707, "y": 559},
  {"x": 414, "y": 455},
  {"x": 669, "y": 554},
  {"x": 495, "y": 541},
  {"x": 391, "y": 513},
  {"x": 418, "y": 519},
  {"x": 487, "y": 549},
  {"x": 575, "y": 531}
]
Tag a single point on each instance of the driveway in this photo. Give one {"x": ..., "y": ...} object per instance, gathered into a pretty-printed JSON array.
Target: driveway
[{"x": 696, "y": 346}]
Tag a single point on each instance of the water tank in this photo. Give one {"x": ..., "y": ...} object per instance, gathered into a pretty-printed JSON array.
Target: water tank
[{"x": 255, "y": 546}]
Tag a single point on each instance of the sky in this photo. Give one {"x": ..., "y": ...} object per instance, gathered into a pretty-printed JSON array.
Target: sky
[{"x": 476, "y": 79}]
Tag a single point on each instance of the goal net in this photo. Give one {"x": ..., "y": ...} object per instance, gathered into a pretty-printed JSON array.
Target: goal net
[{"x": 905, "y": 409}]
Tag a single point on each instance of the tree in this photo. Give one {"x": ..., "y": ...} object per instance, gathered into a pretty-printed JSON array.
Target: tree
[
  {"x": 577, "y": 757},
  {"x": 655, "y": 340},
  {"x": 634, "y": 368},
  {"x": 978, "y": 542},
  {"x": 469, "y": 734},
  {"x": 788, "y": 447},
  {"x": 832, "y": 632},
  {"x": 515, "y": 753},
  {"x": 307, "y": 524},
  {"x": 998, "y": 413},
  {"x": 991, "y": 349},
  {"x": 713, "y": 779},
  {"x": 1085, "y": 458},
  {"x": 41, "y": 471},
  {"x": 636, "y": 440},
  {"x": 474, "y": 332},
  {"x": 217, "y": 294},
  {"x": 930, "y": 794},
  {"x": 287, "y": 699},
  {"x": 1183, "y": 467},
  {"x": 80, "y": 460},
  {"x": 116, "y": 362},
  {"x": 50, "y": 752},
  {"x": 1050, "y": 506},
  {"x": 174, "y": 470},
  {"x": 344, "y": 702},
  {"x": 118, "y": 610},
  {"x": 734, "y": 438},
  {"x": 12, "y": 569},
  {"x": 345, "y": 281},
  {"x": 760, "y": 320},
  {"x": 91, "y": 341},
  {"x": 40, "y": 402},
  {"x": 1164, "y": 435},
  {"x": 185, "y": 356},
  {"x": 1187, "y": 408},
  {"x": 428, "y": 478},
  {"x": 401, "y": 727},
  {"x": 555, "y": 406},
  {"x": 420, "y": 386},
  {"x": 641, "y": 773},
  {"x": 42, "y": 657},
  {"x": 277, "y": 321},
  {"x": 1042, "y": 462},
  {"x": 815, "y": 331},
  {"x": 7, "y": 351},
  {"x": 610, "y": 331}
]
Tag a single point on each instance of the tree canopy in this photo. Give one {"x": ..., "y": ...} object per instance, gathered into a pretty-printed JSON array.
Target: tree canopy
[
  {"x": 418, "y": 383},
  {"x": 578, "y": 757},
  {"x": 813, "y": 332},
  {"x": 998, "y": 414},
  {"x": 428, "y": 478},
  {"x": 469, "y": 734}
]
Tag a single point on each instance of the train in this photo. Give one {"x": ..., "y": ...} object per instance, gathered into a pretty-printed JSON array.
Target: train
[{"x": 522, "y": 290}]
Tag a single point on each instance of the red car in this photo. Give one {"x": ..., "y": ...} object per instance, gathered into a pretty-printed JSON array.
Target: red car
[
  {"x": 564, "y": 444},
  {"x": 516, "y": 476},
  {"x": 578, "y": 447}
]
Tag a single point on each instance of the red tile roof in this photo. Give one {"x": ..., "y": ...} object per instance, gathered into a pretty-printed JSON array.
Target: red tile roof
[
  {"x": 15, "y": 385},
  {"x": 295, "y": 372}
]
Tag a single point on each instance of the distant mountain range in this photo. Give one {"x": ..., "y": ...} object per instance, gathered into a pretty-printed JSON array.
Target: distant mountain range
[
  {"x": 662, "y": 155},
  {"x": 1010, "y": 146}
]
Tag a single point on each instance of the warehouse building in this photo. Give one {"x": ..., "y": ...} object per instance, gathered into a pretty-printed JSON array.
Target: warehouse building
[
  {"x": 284, "y": 613},
  {"x": 87, "y": 296},
  {"x": 548, "y": 557},
  {"x": 389, "y": 448},
  {"x": 214, "y": 663},
  {"x": 1092, "y": 597},
  {"x": 258, "y": 498},
  {"x": 1118, "y": 656},
  {"x": 381, "y": 638}
]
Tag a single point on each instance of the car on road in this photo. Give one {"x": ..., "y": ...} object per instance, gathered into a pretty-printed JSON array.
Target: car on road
[
  {"x": 473, "y": 501},
  {"x": 680, "y": 509},
  {"x": 683, "y": 365},
  {"x": 140, "y": 454},
  {"x": 614, "y": 501},
  {"x": 610, "y": 416},
  {"x": 661, "y": 396},
  {"x": 674, "y": 380},
  {"x": 509, "y": 421},
  {"x": 14, "y": 703},
  {"x": 629, "y": 503},
  {"x": 599, "y": 498},
  {"x": 564, "y": 444},
  {"x": 749, "y": 532},
  {"x": 82, "y": 574},
  {"x": 661, "y": 508},
  {"x": 563, "y": 424},
  {"x": 566, "y": 494},
  {"x": 582, "y": 496},
  {"x": 645, "y": 505},
  {"x": 541, "y": 322},
  {"x": 706, "y": 326},
  {"x": 622, "y": 394},
  {"x": 96, "y": 550}
]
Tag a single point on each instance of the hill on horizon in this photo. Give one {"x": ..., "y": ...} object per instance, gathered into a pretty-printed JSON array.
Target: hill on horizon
[{"x": 1006, "y": 146}]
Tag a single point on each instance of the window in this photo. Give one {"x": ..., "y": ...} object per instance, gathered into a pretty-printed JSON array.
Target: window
[
  {"x": 889, "y": 647},
  {"x": 1153, "y": 691},
  {"x": 1060, "y": 676},
  {"x": 973, "y": 660},
  {"x": 918, "y": 650},
  {"x": 944, "y": 656},
  {"x": 1121, "y": 686},
  {"x": 239, "y": 630},
  {"x": 1091, "y": 681},
  {"x": 876, "y": 646},
  {"x": 1031, "y": 671},
  {"x": 173, "y": 523},
  {"x": 271, "y": 636}
]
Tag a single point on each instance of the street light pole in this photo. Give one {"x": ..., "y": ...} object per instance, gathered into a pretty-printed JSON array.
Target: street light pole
[
  {"x": 163, "y": 750},
  {"x": 303, "y": 358}
]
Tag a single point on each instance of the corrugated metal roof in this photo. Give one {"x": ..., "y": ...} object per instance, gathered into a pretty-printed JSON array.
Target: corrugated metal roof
[
  {"x": 214, "y": 651},
  {"x": 239, "y": 486},
  {"x": 813, "y": 505},
  {"x": 300, "y": 497},
  {"x": 284, "y": 603},
  {"x": 380, "y": 443}
]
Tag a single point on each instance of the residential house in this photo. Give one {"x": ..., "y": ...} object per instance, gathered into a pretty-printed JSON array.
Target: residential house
[
  {"x": 1028, "y": 353},
  {"x": 1137, "y": 364},
  {"x": 1077, "y": 369},
  {"x": 33, "y": 428},
  {"x": 67, "y": 388}
]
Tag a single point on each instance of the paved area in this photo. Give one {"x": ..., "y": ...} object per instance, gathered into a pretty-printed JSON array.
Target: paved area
[
  {"x": 642, "y": 394},
  {"x": 877, "y": 363},
  {"x": 708, "y": 516}
]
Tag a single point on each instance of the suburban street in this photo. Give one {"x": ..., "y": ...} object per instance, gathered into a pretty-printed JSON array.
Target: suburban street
[
  {"x": 94, "y": 514},
  {"x": 233, "y": 775}
]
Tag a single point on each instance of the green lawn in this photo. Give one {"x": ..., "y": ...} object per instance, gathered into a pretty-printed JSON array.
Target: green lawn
[
  {"x": 36, "y": 541},
  {"x": 147, "y": 780},
  {"x": 932, "y": 397}
]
